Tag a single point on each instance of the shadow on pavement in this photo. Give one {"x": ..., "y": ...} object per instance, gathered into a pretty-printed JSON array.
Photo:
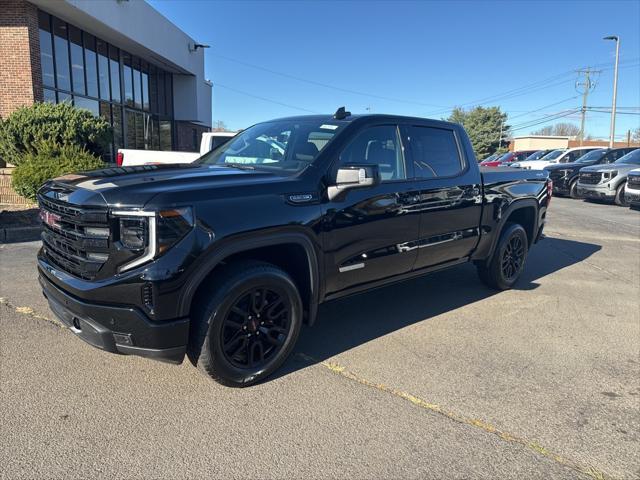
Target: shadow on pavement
[{"x": 346, "y": 323}]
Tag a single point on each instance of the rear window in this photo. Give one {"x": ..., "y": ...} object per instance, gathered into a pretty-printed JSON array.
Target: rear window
[{"x": 435, "y": 152}]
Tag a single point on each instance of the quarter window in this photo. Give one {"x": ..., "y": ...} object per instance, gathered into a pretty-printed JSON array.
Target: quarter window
[
  {"x": 379, "y": 146},
  {"x": 435, "y": 152}
]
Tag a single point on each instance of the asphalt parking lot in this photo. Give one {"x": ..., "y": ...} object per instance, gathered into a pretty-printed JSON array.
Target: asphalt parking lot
[{"x": 434, "y": 378}]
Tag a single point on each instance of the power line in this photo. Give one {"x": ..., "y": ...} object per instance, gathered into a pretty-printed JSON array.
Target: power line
[
  {"x": 264, "y": 98},
  {"x": 320, "y": 84},
  {"x": 542, "y": 108},
  {"x": 505, "y": 95},
  {"x": 545, "y": 120}
]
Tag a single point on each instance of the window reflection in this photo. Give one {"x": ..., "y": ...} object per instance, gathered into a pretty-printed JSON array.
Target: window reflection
[
  {"x": 91, "y": 64},
  {"x": 46, "y": 51},
  {"x": 114, "y": 66},
  {"x": 77, "y": 60},
  {"x": 103, "y": 70},
  {"x": 94, "y": 75},
  {"x": 62, "y": 54}
]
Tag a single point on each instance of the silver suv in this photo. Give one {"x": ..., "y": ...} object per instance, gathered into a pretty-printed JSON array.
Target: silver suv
[{"x": 607, "y": 182}]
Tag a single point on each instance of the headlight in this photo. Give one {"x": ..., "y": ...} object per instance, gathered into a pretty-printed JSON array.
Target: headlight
[
  {"x": 515, "y": 165},
  {"x": 152, "y": 233},
  {"x": 610, "y": 174}
]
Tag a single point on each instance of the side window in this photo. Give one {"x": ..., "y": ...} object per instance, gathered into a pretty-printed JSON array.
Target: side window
[
  {"x": 379, "y": 146},
  {"x": 435, "y": 152}
]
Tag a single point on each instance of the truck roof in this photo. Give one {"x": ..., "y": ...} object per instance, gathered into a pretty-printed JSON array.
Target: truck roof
[{"x": 354, "y": 117}]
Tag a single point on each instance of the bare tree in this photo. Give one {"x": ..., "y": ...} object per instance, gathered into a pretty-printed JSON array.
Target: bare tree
[
  {"x": 220, "y": 126},
  {"x": 559, "y": 129},
  {"x": 635, "y": 135}
]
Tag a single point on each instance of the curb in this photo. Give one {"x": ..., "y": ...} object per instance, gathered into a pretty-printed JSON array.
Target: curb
[{"x": 19, "y": 234}]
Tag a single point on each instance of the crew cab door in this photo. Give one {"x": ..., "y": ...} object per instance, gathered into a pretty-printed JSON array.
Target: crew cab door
[
  {"x": 363, "y": 228},
  {"x": 450, "y": 193}
]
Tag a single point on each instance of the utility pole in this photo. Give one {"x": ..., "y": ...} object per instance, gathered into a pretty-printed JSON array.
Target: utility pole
[
  {"x": 612, "y": 133},
  {"x": 587, "y": 86}
]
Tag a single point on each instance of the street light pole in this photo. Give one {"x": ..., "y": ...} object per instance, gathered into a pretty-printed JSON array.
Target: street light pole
[{"x": 612, "y": 133}]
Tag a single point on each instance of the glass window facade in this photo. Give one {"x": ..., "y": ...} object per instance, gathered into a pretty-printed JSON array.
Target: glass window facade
[{"x": 134, "y": 96}]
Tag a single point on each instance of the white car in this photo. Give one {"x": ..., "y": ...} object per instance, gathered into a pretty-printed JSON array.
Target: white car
[
  {"x": 556, "y": 156},
  {"x": 128, "y": 157}
]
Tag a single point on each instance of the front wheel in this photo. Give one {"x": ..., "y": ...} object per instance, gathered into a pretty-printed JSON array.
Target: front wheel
[
  {"x": 620, "y": 196},
  {"x": 573, "y": 189},
  {"x": 504, "y": 268},
  {"x": 248, "y": 325}
]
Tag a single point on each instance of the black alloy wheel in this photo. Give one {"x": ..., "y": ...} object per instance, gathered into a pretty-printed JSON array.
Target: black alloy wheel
[
  {"x": 512, "y": 258},
  {"x": 246, "y": 322},
  {"x": 255, "y": 328},
  {"x": 503, "y": 269}
]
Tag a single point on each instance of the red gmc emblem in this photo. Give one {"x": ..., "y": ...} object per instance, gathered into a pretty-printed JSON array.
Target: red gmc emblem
[{"x": 49, "y": 218}]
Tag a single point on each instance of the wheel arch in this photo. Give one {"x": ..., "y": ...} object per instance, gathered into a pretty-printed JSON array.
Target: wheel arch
[
  {"x": 294, "y": 252},
  {"x": 525, "y": 212}
]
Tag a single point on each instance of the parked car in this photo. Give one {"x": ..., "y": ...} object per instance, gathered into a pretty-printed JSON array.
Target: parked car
[
  {"x": 564, "y": 156},
  {"x": 537, "y": 155},
  {"x": 506, "y": 159},
  {"x": 565, "y": 175},
  {"x": 225, "y": 259},
  {"x": 632, "y": 189},
  {"x": 490, "y": 158},
  {"x": 128, "y": 157},
  {"x": 607, "y": 182}
]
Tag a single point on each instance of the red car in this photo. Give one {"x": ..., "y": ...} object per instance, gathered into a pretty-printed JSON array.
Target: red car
[{"x": 507, "y": 158}]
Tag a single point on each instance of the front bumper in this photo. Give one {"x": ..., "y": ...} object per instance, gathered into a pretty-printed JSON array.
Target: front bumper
[
  {"x": 602, "y": 192},
  {"x": 118, "y": 329},
  {"x": 632, "y": 196}
]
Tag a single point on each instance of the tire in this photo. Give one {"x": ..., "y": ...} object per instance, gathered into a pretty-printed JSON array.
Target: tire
[
  {"x": 245, "y": 300},
  {"x": 503, "y": 269},
  {"x": 573, "y": 189},
  {"x": 619, "y": 198}
]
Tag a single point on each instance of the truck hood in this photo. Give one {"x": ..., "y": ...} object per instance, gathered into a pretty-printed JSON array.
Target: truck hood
[
  {"x": 135, "y": 186},
  {"x": 619, "y": 167}
]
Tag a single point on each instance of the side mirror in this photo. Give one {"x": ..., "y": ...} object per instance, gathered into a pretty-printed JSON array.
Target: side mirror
[{"x": 354, "y": 176}]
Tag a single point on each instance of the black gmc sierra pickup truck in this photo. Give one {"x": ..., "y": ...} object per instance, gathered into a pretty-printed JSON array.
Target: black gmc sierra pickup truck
[{"x": 224, "y": 259}]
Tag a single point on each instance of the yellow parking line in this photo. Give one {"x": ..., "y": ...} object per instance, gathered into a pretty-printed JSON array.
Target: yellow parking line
[{"x": 338, "y": 369}]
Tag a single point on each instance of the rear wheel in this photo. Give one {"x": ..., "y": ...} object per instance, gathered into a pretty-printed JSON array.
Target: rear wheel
[
  {"x": 248, "y": 326},
  {"x": 620, "y": 197},
  {"x": 504, "y": 268}
]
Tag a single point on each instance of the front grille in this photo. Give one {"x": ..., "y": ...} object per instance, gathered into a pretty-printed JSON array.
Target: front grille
[
  {"x": 72, "y": 237},
  {"x": 590, "y": 178},
  {"x": 633, "y": 182}
]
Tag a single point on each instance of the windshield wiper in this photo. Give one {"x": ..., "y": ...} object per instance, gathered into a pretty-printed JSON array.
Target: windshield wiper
[{"x": 240, "y": 166}]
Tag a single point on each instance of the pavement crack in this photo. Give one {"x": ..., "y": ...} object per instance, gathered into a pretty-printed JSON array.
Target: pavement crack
[
  {"x": 342, "y": 371},
  {"x": 29, "y": 312}
]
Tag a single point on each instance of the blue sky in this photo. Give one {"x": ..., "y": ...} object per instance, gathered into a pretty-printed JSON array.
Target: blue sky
[{"x": 271, "y": 59}]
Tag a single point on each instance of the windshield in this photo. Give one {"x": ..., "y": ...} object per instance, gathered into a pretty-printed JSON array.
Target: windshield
[
  {"x": 592, "y": 156},
  {"x": 288, "y": 146},
  {"x": 552, "y": 155},
  {"x": 536, "y": 155},
  {"x": 632, "y": 157},
  {"x": 505, "y": 157}
]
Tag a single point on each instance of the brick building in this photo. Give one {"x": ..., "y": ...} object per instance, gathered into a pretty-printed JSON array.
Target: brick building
[{"x": 110, "y": 58}]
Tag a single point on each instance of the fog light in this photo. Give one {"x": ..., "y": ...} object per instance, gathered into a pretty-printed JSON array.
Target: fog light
[{"x": 123, "y": 338}]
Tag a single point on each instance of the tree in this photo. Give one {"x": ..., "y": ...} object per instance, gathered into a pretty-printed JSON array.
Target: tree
[
  {"x": 561, "y": 129},
  {"x": 486, "y": 128},
  {"x": 635, "y": 135},
  {"x": 23, "y": 130},
  {"x": 220, "y": 126}
]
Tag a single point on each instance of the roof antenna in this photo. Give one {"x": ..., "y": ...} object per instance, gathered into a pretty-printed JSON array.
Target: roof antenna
[{"x": 341, "y": 114}]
